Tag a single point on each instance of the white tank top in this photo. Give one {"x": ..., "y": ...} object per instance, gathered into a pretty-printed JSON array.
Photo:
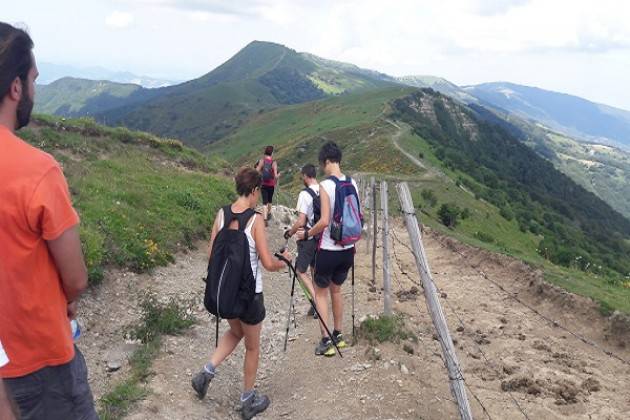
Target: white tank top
[{"x": 253, "y": 254}]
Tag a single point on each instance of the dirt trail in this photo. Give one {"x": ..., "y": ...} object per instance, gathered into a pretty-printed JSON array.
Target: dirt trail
[{"x": 549, "y": 373}]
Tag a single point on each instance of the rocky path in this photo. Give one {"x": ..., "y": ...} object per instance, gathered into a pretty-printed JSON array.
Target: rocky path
[{"x": 549, "y": 373}]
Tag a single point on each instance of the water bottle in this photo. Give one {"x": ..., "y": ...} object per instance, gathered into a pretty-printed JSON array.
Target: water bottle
[{"x": 76, "y": 330}]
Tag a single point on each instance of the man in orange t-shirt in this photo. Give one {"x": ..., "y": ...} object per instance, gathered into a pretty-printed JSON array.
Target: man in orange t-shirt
[{"x": 42, "y": 271}]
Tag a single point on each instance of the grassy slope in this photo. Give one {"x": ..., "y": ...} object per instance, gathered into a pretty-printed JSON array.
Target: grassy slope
[
  {"x": 357, "y": 122},
  {"x": 140, "y": 198},
  {"x": 602, "y": 170},
  {"x": 69, "y": 96},
  {"x": 508, "y": 238}
]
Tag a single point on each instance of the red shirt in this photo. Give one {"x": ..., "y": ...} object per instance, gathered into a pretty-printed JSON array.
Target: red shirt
[{"x": 35, "y": 206}]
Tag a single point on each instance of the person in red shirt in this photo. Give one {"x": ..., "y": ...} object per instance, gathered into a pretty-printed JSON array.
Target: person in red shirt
[
  {"x": 268, "y": 167},
  {"x": 42, "y": 271}
]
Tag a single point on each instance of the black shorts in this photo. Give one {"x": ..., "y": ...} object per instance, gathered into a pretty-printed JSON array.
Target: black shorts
[
  {"x": 55, "y": 392},
  {"x": 255, "y": 313},
  {"x": 333, "y": 266},
  {"x": 306, "y": 255},
  {"x": 267, "y": 194}
]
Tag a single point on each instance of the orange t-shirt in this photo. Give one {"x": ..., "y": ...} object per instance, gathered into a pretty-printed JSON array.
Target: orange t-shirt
[{"x": 35, "y": 206}]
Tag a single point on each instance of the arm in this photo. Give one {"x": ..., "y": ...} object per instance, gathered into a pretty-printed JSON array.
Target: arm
[
  {"x": 8, "y": 411},
  {"x": 268, "y": 261},
  {"x": 213, "y": 234},
  {"x": 68, "y": 256},
  {"x": 275, "y": 170},
  {"x": 300, "y": 223},
  {"x": 259, "y": 165}
]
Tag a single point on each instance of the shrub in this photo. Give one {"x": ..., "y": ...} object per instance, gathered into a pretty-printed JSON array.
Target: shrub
[
  {"x": 484, "y": 237},
  {"x": 429, "y": 197},
  {"x": 448, "y": 214},
  {"x": 384, "y": 328}
]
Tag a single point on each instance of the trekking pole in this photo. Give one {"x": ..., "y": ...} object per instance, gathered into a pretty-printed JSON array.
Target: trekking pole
[
  {"x": 354, "y": 335},
  {"x": 291, "y": 303},
  {"x": 286, "y": 334},
  {"x": 309, "y": 297}
]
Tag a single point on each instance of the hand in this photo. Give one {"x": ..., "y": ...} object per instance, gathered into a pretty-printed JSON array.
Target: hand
[
  {"x": 301, "y": 234},
  {"x": 72, "y": 310},
  {"x": 286, "y": 254}
]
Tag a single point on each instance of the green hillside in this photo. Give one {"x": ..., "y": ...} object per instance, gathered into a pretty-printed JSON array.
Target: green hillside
[
  {"x": 140, "y": 198},
  {"x": 601, "y": 169},
  {"x": 260, "y": 77},
  {"x": 495, "y": 216},
  {"x": 79, "y": 97}
]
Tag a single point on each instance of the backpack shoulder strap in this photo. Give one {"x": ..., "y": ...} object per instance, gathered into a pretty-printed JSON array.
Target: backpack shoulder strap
[
  {"x": 312, "y": 193},
  {"x": 228, "y": 216},
  {"x": 244, "y": 218},
  {"x": 333, "y": 179}
]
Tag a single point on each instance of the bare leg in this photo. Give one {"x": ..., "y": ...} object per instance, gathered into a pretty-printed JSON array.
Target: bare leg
[
  {"x": 321, "y": 300},
  {"x": 227, "y": 342},
  {"x": 308, "y": 282},
  {"x": 265, "y": 212},
  {"x": 252, "y": 353},
  {"x": 268, "y": 209},
  {"x": 337, "y": 305}
]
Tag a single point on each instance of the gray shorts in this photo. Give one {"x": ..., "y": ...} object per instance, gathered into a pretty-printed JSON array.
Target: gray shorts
[
  {"x": 306, "y": 255},
  {"x": 55, "y": 393}
]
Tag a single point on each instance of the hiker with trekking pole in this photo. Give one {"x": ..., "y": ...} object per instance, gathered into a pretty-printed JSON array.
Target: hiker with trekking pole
[
  {"x": 268, "y": 168},
  {"x": 238, "y": 251},
  {"x": 340, "y": 227},
  {"x": 309, "y": 213}
]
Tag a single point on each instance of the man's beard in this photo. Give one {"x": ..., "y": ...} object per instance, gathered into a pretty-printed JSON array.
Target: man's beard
[{"x": 24, "y": 110}]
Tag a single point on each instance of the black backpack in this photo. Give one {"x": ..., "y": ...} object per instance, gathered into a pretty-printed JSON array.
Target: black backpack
[
  {"x": 317, "y": 205},
  {"x": 230, "y": 285}
]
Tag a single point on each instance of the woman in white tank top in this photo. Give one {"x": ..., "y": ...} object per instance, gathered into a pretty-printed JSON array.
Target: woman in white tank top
[{"x": 248, "y": 183}]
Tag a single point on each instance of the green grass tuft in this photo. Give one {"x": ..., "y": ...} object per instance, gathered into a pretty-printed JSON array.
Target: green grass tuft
[
  {"x": 384, "y": 328},
  {"x": 158, "y": 318}
]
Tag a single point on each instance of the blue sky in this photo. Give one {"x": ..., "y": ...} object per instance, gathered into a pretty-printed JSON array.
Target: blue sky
[{"x": 579, "y": 47}]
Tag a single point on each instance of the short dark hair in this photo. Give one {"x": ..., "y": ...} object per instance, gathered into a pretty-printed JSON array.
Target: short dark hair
[
  {"x": 16, "y": 59},
  {"x": 247, "y": 180},
  {"x": 269, "y": 150},
  {"x": 331, "y": 152},
  {"x": 309, "y": 170}
]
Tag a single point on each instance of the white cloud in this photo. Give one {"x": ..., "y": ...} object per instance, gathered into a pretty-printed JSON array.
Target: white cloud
[{"x": 119, "y": 19}]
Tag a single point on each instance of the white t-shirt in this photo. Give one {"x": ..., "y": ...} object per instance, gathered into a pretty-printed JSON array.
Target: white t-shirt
[
  {"x": 305, "y": 204},
  {"x": 327, "y": 242},
  {"x": 3, "y": 356}
]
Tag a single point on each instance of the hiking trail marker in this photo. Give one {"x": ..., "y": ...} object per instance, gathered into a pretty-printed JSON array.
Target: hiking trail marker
[{"x": 456, "y": 379}]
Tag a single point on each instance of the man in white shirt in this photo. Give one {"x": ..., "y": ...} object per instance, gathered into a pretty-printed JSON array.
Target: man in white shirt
[
  {"x": 334, "y": 260},
  {"x": 7, "y": 408},
  {"x": 309, "y": 211}
]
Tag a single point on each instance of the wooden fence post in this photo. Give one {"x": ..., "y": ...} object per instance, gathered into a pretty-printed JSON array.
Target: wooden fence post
[
  {"x": 456, "y": 381},
  {"x": 366, "y": 213},
  {"x": 387, "y": 284},
  {"x": 374, "y": 230}
]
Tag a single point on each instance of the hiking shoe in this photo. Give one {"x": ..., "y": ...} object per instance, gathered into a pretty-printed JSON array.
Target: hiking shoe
[
  {"x": 325, "y": 348},
  {"x": 338, "y": 337},
  {"x": 254, "y": 405},
  {"x": 311, "y": 312},
  {"x": 200, "y": 383}
]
